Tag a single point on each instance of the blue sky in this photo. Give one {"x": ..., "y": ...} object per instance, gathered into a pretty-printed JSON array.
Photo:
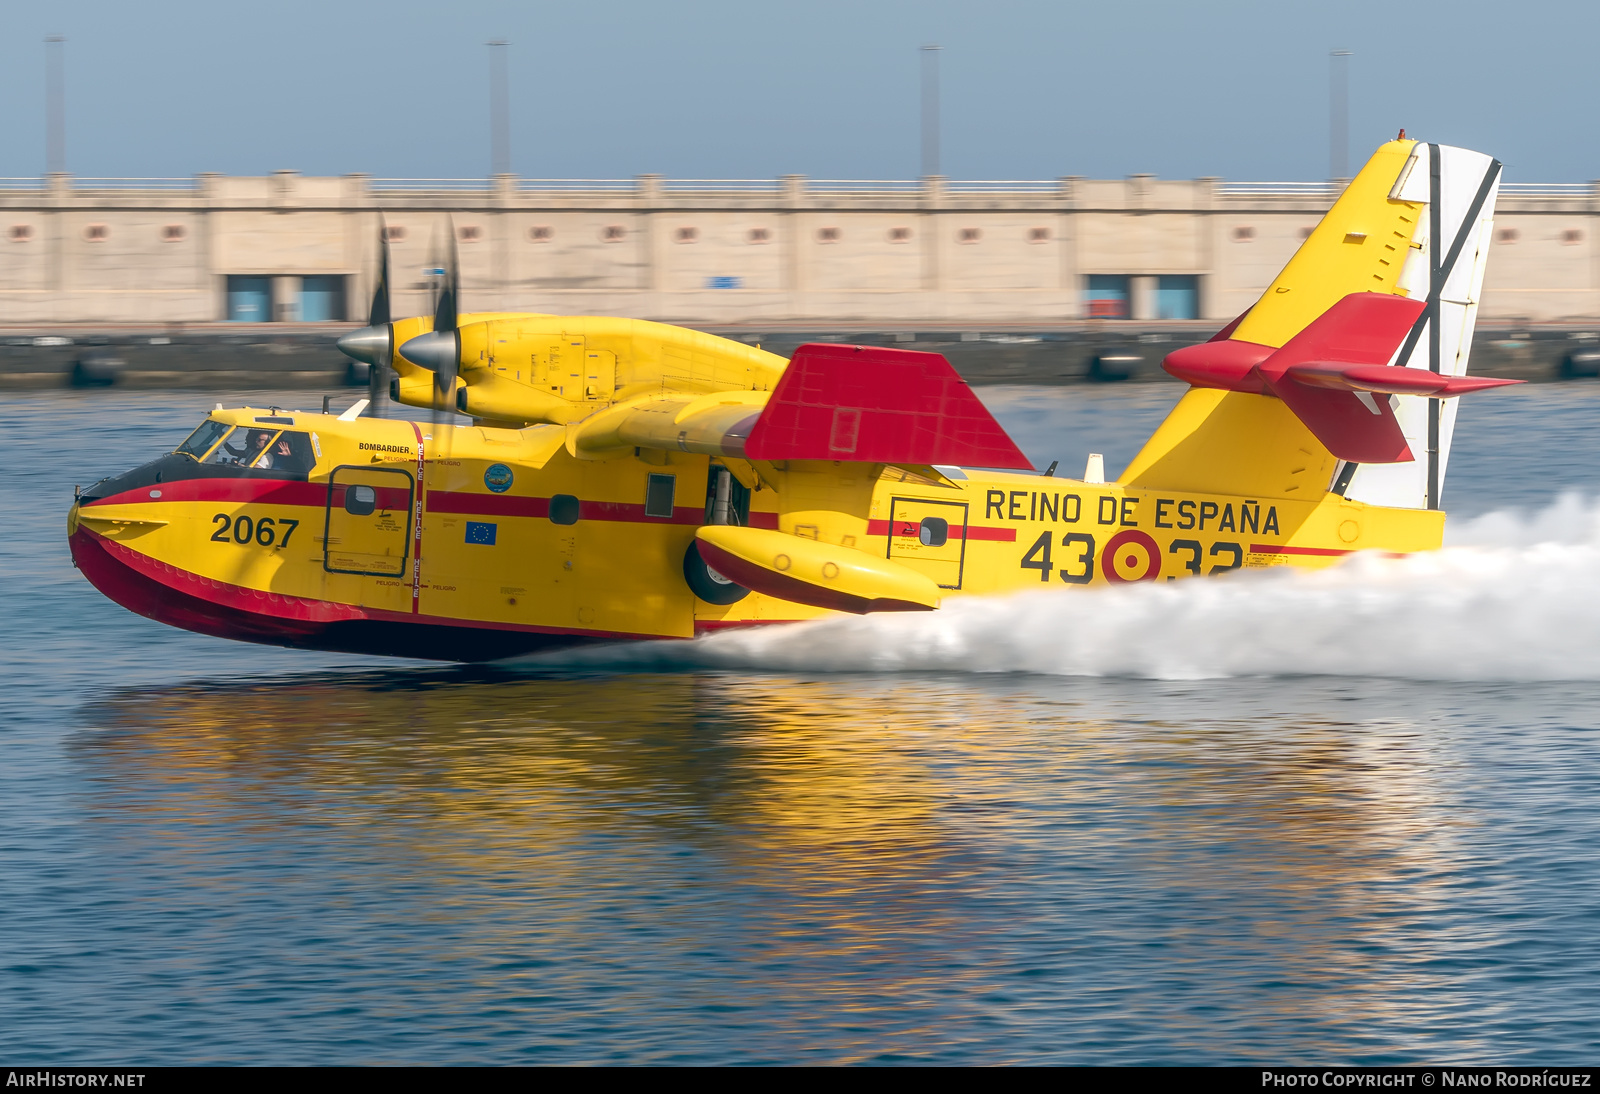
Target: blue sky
[{"x": 829, "y": 88}]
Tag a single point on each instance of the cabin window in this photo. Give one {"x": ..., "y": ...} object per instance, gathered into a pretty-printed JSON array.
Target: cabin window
[
  {"x": 658, "y": 496},
  {"x": 563, "y": 509},
  {"x": 934, "y": 532},
  {"x": 201, "y": 440}
]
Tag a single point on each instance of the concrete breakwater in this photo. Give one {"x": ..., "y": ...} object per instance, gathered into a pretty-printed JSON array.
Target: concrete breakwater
[{"x": 299, "y": 357}]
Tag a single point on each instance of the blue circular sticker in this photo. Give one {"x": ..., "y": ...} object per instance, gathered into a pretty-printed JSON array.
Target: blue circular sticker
[{"x": 497, "y": 478}]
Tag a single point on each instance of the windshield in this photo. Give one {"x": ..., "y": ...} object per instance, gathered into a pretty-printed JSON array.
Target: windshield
[
  {"x": 201, "y": 440},
  {"x": 266, "y": 450}
]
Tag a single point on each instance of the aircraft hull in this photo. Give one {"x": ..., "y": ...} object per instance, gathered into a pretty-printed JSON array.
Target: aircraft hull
[{"x": 188, "y": 601}]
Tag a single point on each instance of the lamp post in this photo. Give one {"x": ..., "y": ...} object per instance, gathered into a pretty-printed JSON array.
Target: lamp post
[
  {"x": 499, "y": 110},
  {"x": 1339, "y": 114},
  {"x": 55, "y": 106},
  {"x": 930, "y": 111}
]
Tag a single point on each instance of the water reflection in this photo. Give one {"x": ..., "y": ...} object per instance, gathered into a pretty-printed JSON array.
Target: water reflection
[{"x": 832, "y": 868}]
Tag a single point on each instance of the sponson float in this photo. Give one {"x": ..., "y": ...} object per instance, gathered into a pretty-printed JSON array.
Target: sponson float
[{"x": 631, "y": 480}]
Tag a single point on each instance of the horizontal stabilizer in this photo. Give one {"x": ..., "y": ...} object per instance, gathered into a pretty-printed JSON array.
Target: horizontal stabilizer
[
  {"x": 878, "y": 405},
  {"x": 1330, "y": 373},
  {"x": 1392, "y": 380},
  {"x": 809, "y": 571}
]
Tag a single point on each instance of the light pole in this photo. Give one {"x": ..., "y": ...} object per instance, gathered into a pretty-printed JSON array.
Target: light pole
[
  {"x": 55, "y": 106},
  {"x": 499, "y": 110},
  {"x": 1339, "y": 114},
  {"x": 930, "y": 111}
]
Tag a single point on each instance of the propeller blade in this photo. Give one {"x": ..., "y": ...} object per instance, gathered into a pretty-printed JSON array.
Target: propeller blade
[
  {"x": 442, "y": 347},
  {"x": 378, "y": 315},
  {"x": 374, "y": 343},
  {"x": 445, "y": 308}
]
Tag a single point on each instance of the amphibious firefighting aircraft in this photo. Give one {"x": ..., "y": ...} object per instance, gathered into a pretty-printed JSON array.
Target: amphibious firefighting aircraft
[{"x": 632, "y": 480}]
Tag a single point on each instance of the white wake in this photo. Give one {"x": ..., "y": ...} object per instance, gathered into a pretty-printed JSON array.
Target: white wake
[{"x": 1513, "y": 596}]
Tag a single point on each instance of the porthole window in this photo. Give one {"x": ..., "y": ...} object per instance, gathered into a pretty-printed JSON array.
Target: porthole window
[
  {"x": 827, "y": 235},
  {"x": 394, "y": 233},
  {"x": 360, "y": 501},
  {"x": 21, "y": 233},
  {"x": 1508, "y": 235},
  {"x": 611, "y": 233},
  {"x": 686, "y": 235},
  {"x": 899, "y": 235},
  {"x": 97, "y": 233},
  {"x": 933, "y": 532},
  {"x": 469, "y": 233},
  {"x": 1571, "y": 235},
  {"x": 969, "y": 235},
  {"x": 173, "y": 233},
  {"x": 1243, "y": 234},
  {"x": 1038, "y": 235},
  {"x": 563, "y": 509},
  {"x": 541, "y": 233},
  {"x": 760, "y": 235}
]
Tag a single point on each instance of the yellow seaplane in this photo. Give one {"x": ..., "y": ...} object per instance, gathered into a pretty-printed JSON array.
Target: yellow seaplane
[{"x": 626, "y": 480}]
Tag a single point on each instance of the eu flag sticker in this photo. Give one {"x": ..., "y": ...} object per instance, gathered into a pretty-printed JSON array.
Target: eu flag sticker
[{"x": 480, "y": 533}]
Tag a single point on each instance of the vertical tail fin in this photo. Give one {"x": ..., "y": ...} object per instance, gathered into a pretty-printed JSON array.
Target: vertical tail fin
[
  {"x": 1459, "y": 189},
  {"x": 1413, "y": 224}
]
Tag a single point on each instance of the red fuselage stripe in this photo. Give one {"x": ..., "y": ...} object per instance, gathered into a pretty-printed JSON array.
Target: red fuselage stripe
[
  {"x": 911, "y": 529},
  {"x": 1279, "y": 549}
]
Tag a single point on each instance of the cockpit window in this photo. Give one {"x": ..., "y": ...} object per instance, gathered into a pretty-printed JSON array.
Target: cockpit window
[
  {"x": 266, "y": 450},
  {"x": 288, "y": 451},
  {"x": 201, "y": 440},
  {"x": 242, "y": 447}
]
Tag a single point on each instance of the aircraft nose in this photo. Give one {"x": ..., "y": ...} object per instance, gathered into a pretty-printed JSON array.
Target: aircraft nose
[
  {"x": 369, "y": 344},
  {"x": 435, "y": 350}
]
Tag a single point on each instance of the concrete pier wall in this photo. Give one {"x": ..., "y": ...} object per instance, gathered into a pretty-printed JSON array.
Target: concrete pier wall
[{"x": 792, "y": 252}]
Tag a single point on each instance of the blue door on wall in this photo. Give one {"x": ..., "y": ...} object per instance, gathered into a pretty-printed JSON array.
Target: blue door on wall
[
  {"x": 1178, "y": 297},
  {"x": 1107, "y": 296},
  {"x": 322, "y": 298},
  {"x": 249, "y": 299}
]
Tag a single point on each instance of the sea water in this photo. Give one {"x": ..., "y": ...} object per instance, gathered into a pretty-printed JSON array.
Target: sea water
[{"x": 1343, "y": 817}]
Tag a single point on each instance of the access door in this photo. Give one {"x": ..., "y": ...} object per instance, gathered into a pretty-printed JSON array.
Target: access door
[
  {"x": 368, "y": 529},
  {"x": 249, "y": 299},
  {"x": 930, "y": 537}
]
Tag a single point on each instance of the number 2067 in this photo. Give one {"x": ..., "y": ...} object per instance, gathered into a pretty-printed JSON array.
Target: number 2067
[{"x": 264, "y": 531}]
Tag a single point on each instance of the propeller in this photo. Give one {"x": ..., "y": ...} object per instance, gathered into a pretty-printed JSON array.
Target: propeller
[
  {"x": 440, "y": 349},
  {"x": 374, "y": 343}
]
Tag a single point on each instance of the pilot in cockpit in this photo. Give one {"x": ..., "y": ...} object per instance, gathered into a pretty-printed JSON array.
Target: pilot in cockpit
[
  {"x": 247, "y": 456},
  {"x": 275, "y": 453}
]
